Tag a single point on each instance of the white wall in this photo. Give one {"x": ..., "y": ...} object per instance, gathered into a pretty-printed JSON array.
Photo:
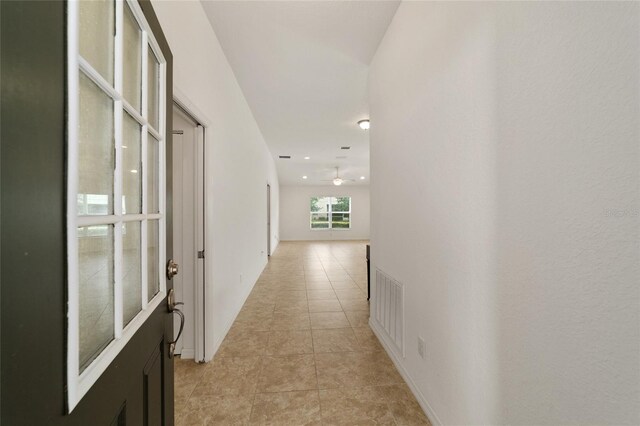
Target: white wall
[
  {"x": 239, "y": 165},
  {"x": 510, "y": 133},
  {"x": 294, "y": 216}
]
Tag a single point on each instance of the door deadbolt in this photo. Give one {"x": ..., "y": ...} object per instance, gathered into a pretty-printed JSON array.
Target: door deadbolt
[{"x": 172, "y": 269}]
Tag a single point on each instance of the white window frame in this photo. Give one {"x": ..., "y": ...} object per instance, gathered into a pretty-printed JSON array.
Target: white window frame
[
  {"x": 330, "y": 214},
  {"x": 78, "y": 384}
]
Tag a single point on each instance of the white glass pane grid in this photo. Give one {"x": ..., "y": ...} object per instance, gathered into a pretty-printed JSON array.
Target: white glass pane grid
[
  {"x": 78, "y": 384},
  {"x": 329, "y": 212}
]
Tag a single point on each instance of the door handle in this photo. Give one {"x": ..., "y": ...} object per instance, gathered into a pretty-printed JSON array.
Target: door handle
[{"x": 172, "y": 308}]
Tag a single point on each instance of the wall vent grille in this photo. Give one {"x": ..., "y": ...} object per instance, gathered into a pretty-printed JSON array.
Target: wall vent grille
[
  {"x": 284, "y": 156},
  {"x": 389, "y": 309}
]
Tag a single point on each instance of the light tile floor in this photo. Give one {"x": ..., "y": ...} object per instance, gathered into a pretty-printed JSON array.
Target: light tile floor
[{"x": 300, "y": 352}]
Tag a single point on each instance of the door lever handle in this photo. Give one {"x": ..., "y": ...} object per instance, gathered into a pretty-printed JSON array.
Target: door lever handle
[
  {"x": 171, "y": 306},
  {"x": 171, "y": 302}
]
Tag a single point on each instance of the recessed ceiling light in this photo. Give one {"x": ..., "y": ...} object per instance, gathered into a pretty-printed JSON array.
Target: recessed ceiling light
[
  {"x": 307, "y": 158},
  {"x": 361, "y": 177},
  {"x": 125, "y": 147},
  {"x": 364, "y": 124},
  {"x": 134, "y": 171},
  {"x": 304, "y": 177}
]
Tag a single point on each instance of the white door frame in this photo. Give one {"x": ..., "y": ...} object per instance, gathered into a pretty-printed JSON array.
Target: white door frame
[{"x": 202, "y": 352}]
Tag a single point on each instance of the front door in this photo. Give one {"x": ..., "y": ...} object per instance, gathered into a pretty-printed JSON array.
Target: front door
[{"x": 86, "y": 161}]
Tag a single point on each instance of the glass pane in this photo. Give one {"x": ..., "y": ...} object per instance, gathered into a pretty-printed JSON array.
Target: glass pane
[
  {"x": 153, "y": 83},
  {"x": 97, "y": 29},
  {"x": 319, "y": 221},
  {"x": 95, "y": 255},
  {"x": 132, "y": 174},
  {"x": 341, "y": 204},
  {"x": 132, "y": 60},
  {"x": 320, "y": 204},
  {"x": 95, "y": 150},
  {"x": 153, "y": 256},
  {"x": 153, "y": 175},
  {"x": 341, "y": 220},
  {"x": 131, "y": 271}
]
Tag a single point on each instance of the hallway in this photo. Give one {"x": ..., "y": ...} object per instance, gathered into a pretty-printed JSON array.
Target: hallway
[{"x": 300, "y": 351}]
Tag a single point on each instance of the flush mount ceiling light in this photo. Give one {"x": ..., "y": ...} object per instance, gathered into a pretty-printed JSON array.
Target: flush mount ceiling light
[
  {"x": 304, "y": 177},
  {"x": 364, "y": 124},
  {"x": 306, "y": 158},
  {"x": 361, "y": 177}
]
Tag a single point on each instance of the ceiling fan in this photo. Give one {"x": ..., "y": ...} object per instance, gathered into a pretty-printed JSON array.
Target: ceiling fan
[{"x": 337, "y": 181}]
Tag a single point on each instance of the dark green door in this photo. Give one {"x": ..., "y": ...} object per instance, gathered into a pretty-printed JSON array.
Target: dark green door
[{"x": 136, "y": 385}]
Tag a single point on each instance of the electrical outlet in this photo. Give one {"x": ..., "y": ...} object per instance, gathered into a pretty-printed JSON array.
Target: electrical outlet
[{"x": 421, "y": 347}]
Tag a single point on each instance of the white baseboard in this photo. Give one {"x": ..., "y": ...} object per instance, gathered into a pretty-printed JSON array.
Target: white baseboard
[
  {"x": 428, "y": 410},
  {"x": 188, "y": 353}
]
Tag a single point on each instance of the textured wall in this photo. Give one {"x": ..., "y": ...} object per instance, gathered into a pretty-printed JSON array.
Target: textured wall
[
  {"x": 238, "y": 165},
  {"x": 510, "y": 132},
  {"x": 294, "y": 213}
]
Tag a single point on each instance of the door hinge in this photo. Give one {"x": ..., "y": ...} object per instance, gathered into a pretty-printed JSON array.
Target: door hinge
[{"x": 201, "y": 254}]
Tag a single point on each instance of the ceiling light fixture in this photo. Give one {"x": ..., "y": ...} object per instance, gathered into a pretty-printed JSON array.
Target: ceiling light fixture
[
  {"x": 337, "y": 181},
  {"x": 364, "y": 124},
  {"x": 361, "y": 177},
  {"x": 134, "y": 171},
  {"x": 304, "y": 177},
  {"x": 306, "y": 158}
]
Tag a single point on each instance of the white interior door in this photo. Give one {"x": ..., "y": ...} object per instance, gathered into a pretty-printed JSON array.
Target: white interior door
[{"x": 188, "y": 230}]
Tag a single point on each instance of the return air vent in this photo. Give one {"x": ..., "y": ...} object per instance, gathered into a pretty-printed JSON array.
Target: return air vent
[
  {"x": 286, "y": 157},
  {"x": 345, "y": 147},
  {"x": 389, "y": 309}
]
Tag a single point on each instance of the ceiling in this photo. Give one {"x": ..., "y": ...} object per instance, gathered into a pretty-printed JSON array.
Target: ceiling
[{"x": 302, "y": 66}]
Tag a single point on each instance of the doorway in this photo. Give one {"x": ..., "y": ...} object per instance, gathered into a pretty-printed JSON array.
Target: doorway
[{"x": 188, "y": 231}]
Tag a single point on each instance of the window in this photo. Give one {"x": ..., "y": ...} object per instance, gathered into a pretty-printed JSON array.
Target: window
[
  {"x": 116, "y": 162},
  {"x": 330, "y": 213}
]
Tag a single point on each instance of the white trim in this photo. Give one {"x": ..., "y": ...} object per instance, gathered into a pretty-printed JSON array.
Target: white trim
[
  {"x": 78, "y": 384},
  {"x": 73, "y": 304},
  {"x": 199, "y": 224},
  {"x": 424, "y": 404},
  {"x": 98, "y": 79},
  {"x": 203, "y": 352},
  {"x": 112, "y": 219},
  {"x": 145, "y": 74},
  {"x": 118, "y": 72},
  {"x": 132, "y": 112},
  {"x": 185, "y": 103},
  {"x": 154, "y": 133},
  {"x": 188, "y": 354}
]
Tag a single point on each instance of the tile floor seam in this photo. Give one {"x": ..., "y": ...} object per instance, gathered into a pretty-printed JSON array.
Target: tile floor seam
[
  {"x": 310, "y": 271},
  {"x": 255, "y": 393}
]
